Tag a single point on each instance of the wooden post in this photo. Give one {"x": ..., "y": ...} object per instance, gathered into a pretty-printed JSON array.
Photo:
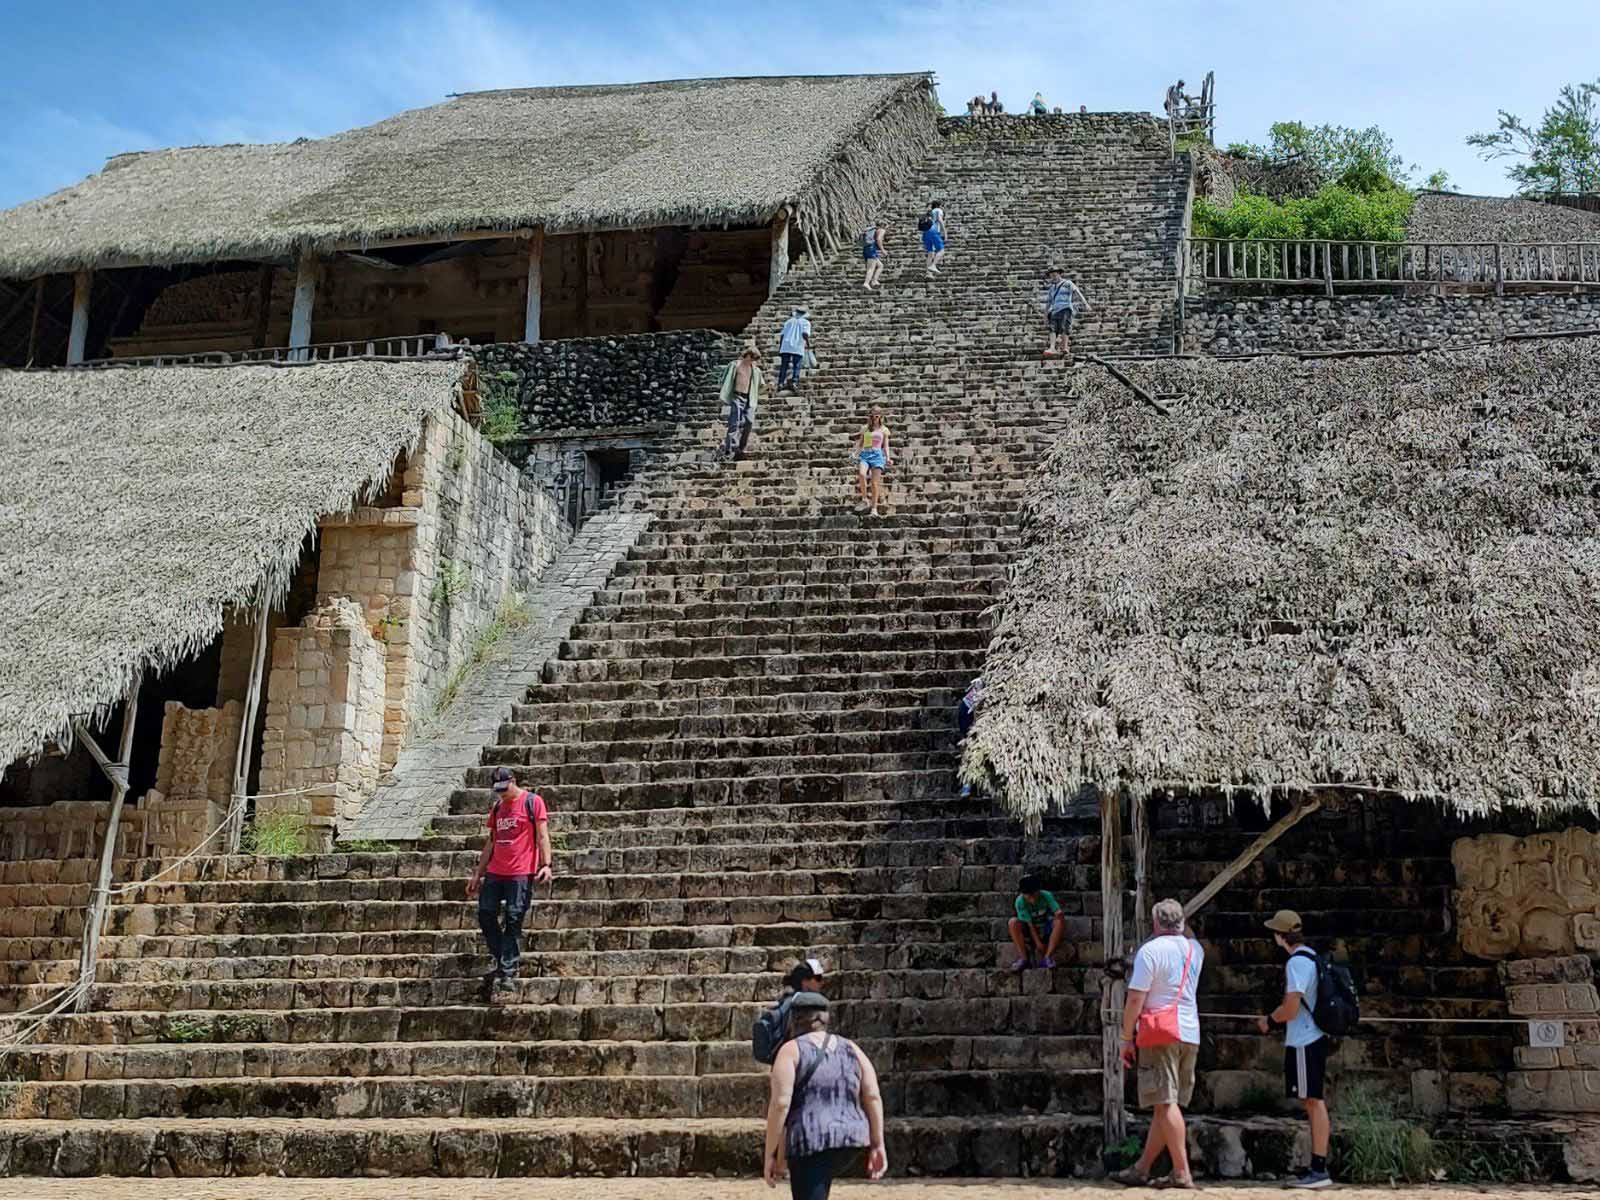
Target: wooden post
[
  {"x": 1141, "y": 867},
  {"x": 1288, "y": 821},
  {"x": 1327, "y": 266},
  {"x": 100, "y": 898},
  {"x": 247, "y": 731},
  {"x": 33, "y": 328},
  {"x": 1114, "y": 990},
  {"x": 305, "y": 298},
  {"x": 780, "y": 251},
  {"x": 583, "y": 286},
  {"x": 78, "y": 336},
  {"x": 531, "y": 314}
]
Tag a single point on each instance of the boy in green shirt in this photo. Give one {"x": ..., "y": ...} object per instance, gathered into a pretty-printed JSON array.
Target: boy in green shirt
[{"x": 1039, "y": 915}]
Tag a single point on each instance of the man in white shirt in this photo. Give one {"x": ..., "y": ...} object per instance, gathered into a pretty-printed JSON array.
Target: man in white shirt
[
  {"x": 793, "y": 342},
  {"x": 1305, "y": 1047},
  {"x": 1166, "y": 975}
]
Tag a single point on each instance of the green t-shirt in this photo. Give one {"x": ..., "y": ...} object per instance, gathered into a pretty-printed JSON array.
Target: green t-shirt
[{"x": 1034, "y": 914}]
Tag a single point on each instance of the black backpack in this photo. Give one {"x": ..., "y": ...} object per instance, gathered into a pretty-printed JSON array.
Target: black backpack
[
  {"x": 925, "y": 224},
  {"x": 770, "y": 1031},
  {"x": 1338, "y": 1009}
]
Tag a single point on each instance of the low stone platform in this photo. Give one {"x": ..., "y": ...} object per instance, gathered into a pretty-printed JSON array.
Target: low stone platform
[{"x": 1046, "y": 1147}]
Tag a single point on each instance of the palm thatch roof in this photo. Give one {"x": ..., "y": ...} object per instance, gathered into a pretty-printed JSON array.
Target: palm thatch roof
[
  {"x": 696, "y": 152},
  {"x": 1378, "y": 572},
  {"x": 139, "y": 502},
  {"x": 1448, "y": 217}
]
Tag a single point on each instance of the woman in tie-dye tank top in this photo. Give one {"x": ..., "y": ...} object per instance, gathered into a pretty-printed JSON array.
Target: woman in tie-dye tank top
[{"x": 872, "y": 455}]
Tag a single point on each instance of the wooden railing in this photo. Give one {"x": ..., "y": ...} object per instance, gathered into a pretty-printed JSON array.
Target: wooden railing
[
  {"x": 1352, "y": 266},
  {"x": 416, "y": 345}
]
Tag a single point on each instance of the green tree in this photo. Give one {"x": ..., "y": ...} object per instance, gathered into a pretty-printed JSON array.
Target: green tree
[
  {"x": 1439, "y": 181},
  {"x": 1363, "y": 160},
  {"x": 1560, "y": 155}
]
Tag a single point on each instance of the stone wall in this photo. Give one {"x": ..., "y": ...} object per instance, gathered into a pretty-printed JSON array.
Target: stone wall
[
  {"x": 194, "y": 776},
  {"x": 1122, "y": 129},
  {"x": 605, "y": 383},
  {"x": 1559, "y": 992},
  {"x": 67, "y": 829},
  {"x": 1446, "y": 217},
  {"x": 325, "y": 720},
  {"x": 430, "y": 572},
  {"x": 1222, "y": 325}
]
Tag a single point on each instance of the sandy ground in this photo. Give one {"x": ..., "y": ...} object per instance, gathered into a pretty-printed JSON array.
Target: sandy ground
[{"x": 655, "y": 1189}]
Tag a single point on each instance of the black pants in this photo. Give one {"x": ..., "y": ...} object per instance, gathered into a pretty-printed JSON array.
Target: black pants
[
  {"x": 811, "y": 1175},
  {"x": 504, "y": 933}
]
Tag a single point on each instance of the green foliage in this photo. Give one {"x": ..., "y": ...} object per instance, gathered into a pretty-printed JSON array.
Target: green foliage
[
  {"x": 224, "y": 1027},
  {"x": 1377, "y": 1145},
  {"x": 1560, "y": 155},
  {"x": 452, "y": 581},
  {"x": 502, "y": 417},
  {"x": 366, "y": 846},
  {"x": 1363, "y": 160},
  {"x": 188, "y": 1029},
  {"x": 1125, "y": 1153},
  {"x": 512, "y": 614},
  {"x": 1335, "y": 213},
  {"x": 1439, "y": 181},
  {"x": 275, "y": 835},
  {"x": 1259, "y": 1097}
]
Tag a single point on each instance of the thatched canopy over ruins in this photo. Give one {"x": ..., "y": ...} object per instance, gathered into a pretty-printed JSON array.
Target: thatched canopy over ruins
[
  {"x": 692, "y": 152},
  {"x": 1447, "y": 217},
  {"x": 1381, "y": 572},
  {"x": 138, "y": 503}
]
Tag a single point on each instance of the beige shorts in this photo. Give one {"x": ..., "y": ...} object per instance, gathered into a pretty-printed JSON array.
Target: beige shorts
[{"x": 1166, "y": 1074}]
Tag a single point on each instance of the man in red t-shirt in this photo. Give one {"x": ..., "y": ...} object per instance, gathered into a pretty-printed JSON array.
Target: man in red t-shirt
[{"x": 516, "y": 854}]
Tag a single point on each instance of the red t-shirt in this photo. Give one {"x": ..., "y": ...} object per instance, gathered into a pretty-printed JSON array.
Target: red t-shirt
[{"x": 516, "y": 848}]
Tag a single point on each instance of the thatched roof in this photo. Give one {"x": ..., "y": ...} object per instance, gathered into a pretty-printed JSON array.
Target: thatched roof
[
  {"x": 701, "y": 151},
  {"x": 1447, "y": 217},
  {"x": 139, "y": 502},
  {"x": 1379, "y": 572}
]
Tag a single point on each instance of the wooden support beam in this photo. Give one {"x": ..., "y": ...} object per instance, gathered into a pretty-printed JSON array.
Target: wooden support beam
[
  {"x": 1114, "y": 990},
  {"x": 780, "y": 252},
  {"x": 305, "y": 298},
  {"x": 1141, "y": 867},
  {"x": 33, "y": 328},
  {"x": 583, "y": 286},
  {"x": 531, "y": 318},
  {"x": 247, "y": 731},
  {"x": 78, "y": 335},
  {"x": 117, "y": 772},
  {"x": 1288, "y": 821}
]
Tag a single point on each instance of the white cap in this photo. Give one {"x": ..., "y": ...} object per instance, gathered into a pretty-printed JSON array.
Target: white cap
[{"x": 816, "y": 966}]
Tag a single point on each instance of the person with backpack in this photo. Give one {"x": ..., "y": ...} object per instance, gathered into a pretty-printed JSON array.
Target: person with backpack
[
  {"x": 516, "y": 855},
  {"x": 1319, "y": 1002},
  {"x": 1061, "y": 299},
  {"x": 771, "y": 1029},
  {"x": 1161, "y": 1030},
  {"x": 872, "y": 250},
  {"x": 931, "y": 226},
  {"x": 825, "y": 1106}
]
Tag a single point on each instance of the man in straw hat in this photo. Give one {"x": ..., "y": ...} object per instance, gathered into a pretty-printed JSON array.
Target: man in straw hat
[
  {"x": 1305, "y": 1046},
  {"x": 1161, "y": 1028},
  {"x": 741, "y": 392}
]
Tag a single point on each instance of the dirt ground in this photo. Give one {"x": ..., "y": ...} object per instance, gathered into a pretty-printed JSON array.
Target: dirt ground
[{"x": 653, "y": 1189}]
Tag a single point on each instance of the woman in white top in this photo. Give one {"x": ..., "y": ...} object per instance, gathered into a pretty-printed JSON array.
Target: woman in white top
[{"x": 1161, "y": 990}]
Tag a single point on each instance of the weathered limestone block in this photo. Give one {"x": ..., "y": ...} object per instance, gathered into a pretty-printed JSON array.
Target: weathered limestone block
[
  {"x": 1561, "y": 1091},
  {"x": 1552, "y": 999},
  {"x": 1530, "y": 897},
  {"x": 324, "y": 734},
  {"x": 194, "y": 776}
]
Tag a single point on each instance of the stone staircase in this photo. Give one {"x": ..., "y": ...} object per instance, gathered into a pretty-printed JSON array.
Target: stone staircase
[{"x": 747, "y": 745}]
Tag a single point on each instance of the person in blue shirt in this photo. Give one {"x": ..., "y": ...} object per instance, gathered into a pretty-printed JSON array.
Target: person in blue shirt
[
  {"x": 794, "y": 341},
  {"x": 1305, "y": 1047}
]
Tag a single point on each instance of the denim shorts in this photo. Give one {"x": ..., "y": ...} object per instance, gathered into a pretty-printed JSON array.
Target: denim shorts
[{"x": 872, "y": 459}]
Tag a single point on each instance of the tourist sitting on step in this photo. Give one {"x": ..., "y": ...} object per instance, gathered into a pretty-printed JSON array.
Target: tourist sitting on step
[
  {"x": 995, "y": 106},
  {"x": 1039, "y": 921},
  {"x": 1038, "y": 105},
  {"x": 771, "y": 1029},
  {"x": 1161, "y": 1031},
  {"x": 931, "y": 227},
  {"x": 1061, "y": 300},
  {"x": 872, "y": 459},
  {"x": 741, "y": 392},
  {"x": 872, "y": 250},
  {"x": 794, "y": 343},
  {"x": 825, "y": 1106},
  {"x": 516, "y": 855}
]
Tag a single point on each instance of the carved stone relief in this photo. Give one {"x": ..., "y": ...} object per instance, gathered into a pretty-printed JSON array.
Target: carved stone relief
[{"x": 1528, "y": 897}]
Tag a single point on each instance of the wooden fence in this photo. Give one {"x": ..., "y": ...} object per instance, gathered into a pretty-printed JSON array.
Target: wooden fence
[
  {"x": 1353, "y": 266},
  {"x": 417, "y": 345}
]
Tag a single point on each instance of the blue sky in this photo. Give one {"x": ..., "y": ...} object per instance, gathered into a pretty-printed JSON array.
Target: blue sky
[{"x": 88, "y": 79}]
